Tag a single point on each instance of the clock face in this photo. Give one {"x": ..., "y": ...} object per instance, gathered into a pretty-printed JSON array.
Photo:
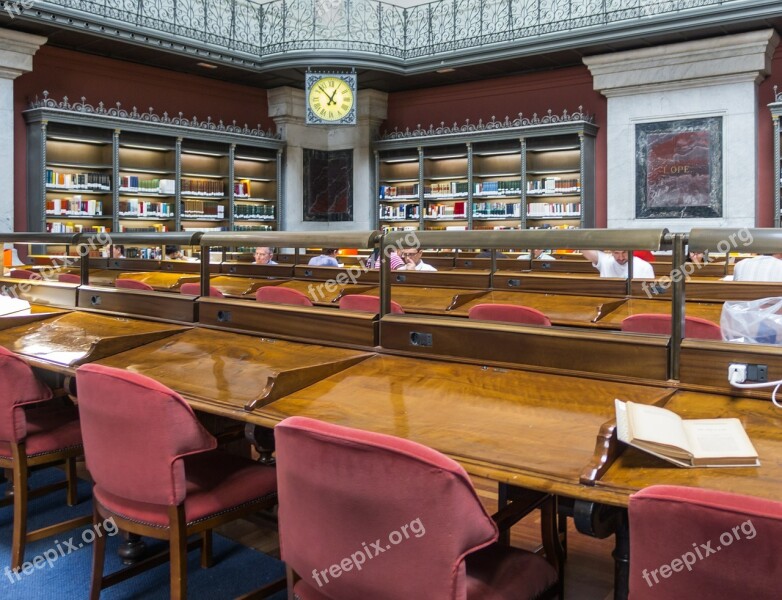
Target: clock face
[{"x": 331, "y": 98}]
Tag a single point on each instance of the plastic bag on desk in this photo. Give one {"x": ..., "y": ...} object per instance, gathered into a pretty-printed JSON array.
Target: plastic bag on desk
[{"x": 752, "y": 321}]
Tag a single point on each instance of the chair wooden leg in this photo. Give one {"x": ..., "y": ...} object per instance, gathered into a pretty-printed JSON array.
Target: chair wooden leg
[
  {"x": 552, "y": 542},
  {"x": 292, "y": 578},
  {"x": 98, "y": 558},
  {"x": 20, "y": 474},
  {"x": 178, "y": 553},
  {"x": 206, "y": 549},
  {"x": 70, "y": 474}
]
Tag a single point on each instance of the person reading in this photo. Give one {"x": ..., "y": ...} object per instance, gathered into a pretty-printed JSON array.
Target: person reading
[
  {"x": 264, "y": 256},
  {"x": 759, "y": 268},
  {"x": 536, "y": 254},
  {"x": 615, "y": 264},
  {"x": 326, "y": 258},
  {"x": 413, "y": 260}
]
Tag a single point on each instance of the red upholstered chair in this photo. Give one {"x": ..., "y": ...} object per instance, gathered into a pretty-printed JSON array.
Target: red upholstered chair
[
  {"x": 35, "y": 431},
  {"x": 282, "y": 295},
  {"x": 695, "y": 543},
  {"x": 69, "y": 278},
  {"x": 434, "y": 538},
  {"x": 694, "y": 327},
  {"x": 132, "y": 284},
  {"x": 509, "y": 313},
  {"x": 168, "y": 483},
  {"x": 24, "y": 274},
  {"x": 367, "y": 304},
  {"x": 194, "y": 289}
]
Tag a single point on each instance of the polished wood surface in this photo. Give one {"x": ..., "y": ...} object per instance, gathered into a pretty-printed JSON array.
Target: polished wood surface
[
  {"x": 328, "y": 293},
  {"x": 710, "y": 311},
  {"x": 562, "y": 283},
  {"x": 161, "y": 281},
  {"x": 561, "y": 309},
  {"x": 531, "y": 429},
  {"x": 230, "y": 373},
  {"x": 51, "y": 293},
  {"x": 455, "y": 279},
  {"x": 74, "y": 338},
  {"x": 635, "y": 469},
  {"x": 431, "y": 300}
]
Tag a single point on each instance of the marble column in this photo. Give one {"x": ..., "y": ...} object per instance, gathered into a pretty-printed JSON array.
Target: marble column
[
  {"x": 286, "y": 107},
  {"x": 16, "y": 57},
  {"x": 715, "y": 77}
]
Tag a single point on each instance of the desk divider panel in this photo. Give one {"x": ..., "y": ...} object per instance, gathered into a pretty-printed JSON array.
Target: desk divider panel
[
  {"x": 704, "y": 365},
  {"x": 180, "y": 266},
  {"x": 581, "y": 285},
  {"x": 456, "y": 279},
  {"x": 312, "y": 324},
  {"x": 612, "y": 354},
  {"x": 342, "y": 275},
  {"x": 51, "y": 293},
  {"x": 563, "y": 266},
  {"x": 134, "y": 264},
  {"x": 169, "y": 306},
  {"x": 251, "y": 269}
]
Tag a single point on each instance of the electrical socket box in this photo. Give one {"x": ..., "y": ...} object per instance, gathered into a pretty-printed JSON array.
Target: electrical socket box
[{"x": 757, "y": 373}]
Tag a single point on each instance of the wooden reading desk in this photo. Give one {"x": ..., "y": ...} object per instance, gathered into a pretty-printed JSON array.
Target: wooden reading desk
[
  {"x": 527, "y": 429},
  {"x": 231, "y": 374}
]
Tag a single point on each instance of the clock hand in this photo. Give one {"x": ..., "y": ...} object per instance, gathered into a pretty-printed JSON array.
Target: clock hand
[{"x": 331, "y": 98}]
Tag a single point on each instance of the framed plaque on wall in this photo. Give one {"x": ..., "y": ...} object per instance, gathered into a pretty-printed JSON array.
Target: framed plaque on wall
[
  {"x": 679, "y": 168},
  {"x": 328, "y": 185}
]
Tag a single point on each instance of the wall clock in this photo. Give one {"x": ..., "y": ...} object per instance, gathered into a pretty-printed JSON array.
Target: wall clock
[{"x": 331, "y": 98}]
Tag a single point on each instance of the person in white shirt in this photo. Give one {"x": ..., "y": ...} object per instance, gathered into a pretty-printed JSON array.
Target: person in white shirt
[
  {"x": 759, "y": 268},
  {"x": 536, "y": 254},
  {"x": 615, "y": 264},
  {"x": 326, "y": 258},
  {"x": 413, "y": 262}
]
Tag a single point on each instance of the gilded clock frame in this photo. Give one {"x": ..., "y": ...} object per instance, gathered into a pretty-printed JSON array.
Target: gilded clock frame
[{"x": 311, "y": 78}]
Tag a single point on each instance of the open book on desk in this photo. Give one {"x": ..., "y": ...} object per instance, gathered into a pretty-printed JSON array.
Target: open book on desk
[{"x": 684, "y": 442}]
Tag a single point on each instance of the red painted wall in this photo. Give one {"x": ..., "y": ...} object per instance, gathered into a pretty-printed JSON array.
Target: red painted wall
[
  {"x": 558, "y": 90},
  {"x": 74, "y": 74}
]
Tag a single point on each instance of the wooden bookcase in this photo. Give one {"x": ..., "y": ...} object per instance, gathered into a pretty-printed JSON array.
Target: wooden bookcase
[
  {"x": 527, "y": 173},
  {"x": 96, "y": 169}
]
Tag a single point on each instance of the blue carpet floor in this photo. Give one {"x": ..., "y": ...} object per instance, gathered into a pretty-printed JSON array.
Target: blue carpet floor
[{"x": 237, "y": 569}]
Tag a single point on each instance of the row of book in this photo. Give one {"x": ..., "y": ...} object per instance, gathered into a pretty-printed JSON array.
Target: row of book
[
  {"x": 68, "y": 227},
  {"x": 399, "y": 191},
  {"x": 399, "y": 211},
  {"x": 253, "y": 228},
  {"x": 496, "y": 209},
  {"x": 132, "y": 183},
  {"x": 553, "y": 185},
  {"x": 242, "y": 189},
  {"x": 74, "y": 207},
  {"x": 203, "y": 187},
  {"x": 454, "y": 210},
  {"x": 97, "y": 182},
  {"x": 143, "y": 229},
  {"x": 199, "y": 208},
  {"x": 554, "y": 209},
  {"x": 498, "y": 188},
  {"x": 143, "y": 208},
  {"x": 254, "y": 211}
]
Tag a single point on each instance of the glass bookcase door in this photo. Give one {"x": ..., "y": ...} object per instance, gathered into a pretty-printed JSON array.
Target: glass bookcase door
[
  {"x": 399, "y": 198},
  {"x": 255, "y": 189},
  {"x": 204, "y": 197},
  {"x": 147, "y": 183},
  {"x": 78, "y": 180},
  {"x": 446, "y": 187},
  {"x": 496, "y": 182},
  {"x": 553, "y": 183}
]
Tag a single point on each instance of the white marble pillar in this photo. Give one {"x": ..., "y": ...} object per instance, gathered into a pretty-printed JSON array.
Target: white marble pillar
[
  {"x": 704, "y": 78},
  {"x": 286, "y": 107},
  {"x": 16, "y": 57}
]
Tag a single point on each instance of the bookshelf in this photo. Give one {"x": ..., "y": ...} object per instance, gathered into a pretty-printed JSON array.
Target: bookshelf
[
  {"x": 524, "y": 173},
  {"x": 96, "y": 169},
  {"x": 776, "y": 115}
]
